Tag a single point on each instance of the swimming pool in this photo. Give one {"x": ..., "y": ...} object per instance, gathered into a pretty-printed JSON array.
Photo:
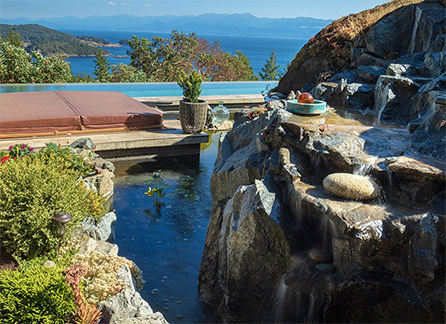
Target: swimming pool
[{"x": 163, "y": 89}]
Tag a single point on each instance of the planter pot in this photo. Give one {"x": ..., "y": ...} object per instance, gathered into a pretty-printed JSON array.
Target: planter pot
[{"x": 193, "y": 116}]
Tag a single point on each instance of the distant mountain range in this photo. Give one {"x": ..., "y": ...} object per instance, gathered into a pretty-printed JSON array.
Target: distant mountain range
[{"x": 206, "y": 24}]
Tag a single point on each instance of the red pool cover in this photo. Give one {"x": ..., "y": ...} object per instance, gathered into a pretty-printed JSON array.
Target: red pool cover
[{"x": 32, "y": 113}]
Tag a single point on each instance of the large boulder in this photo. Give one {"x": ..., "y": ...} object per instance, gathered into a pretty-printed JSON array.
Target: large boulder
[
  {"x": 393, "y": 94},
  {"x": 245, "y": 254},
  {"x": 102, "y": 230},
  {"x": 239, "y": 152}
]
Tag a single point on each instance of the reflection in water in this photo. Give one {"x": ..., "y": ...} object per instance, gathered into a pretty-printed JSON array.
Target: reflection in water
[{"x": 167, "y": 241}]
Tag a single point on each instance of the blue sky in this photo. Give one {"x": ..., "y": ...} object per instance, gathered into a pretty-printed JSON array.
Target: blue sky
[{"x": 325, "y": 9}]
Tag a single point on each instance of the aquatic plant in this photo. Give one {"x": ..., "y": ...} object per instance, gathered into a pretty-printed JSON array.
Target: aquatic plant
[{"x": 157, "y": 193}]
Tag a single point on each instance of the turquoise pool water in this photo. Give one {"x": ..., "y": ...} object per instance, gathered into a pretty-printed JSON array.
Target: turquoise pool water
[{"x": 147, "y": 89}]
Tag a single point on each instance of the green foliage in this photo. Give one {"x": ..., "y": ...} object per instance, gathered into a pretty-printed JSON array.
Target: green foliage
[
  {"x": 34, "y": 188},
  {"x": 125, "y": 73},
  {"x": 48, "y": 41},
  {"x": 163, "y": 59},
  {"x": 35, "y": 294},
  {"x": 18, "y": 66},
  {"x": 92, "y": 39},
  {"x": 102, "y": 67},
  {"x": 13, "y": 39},
  {"x": 65, "y": 157},
  {"x": 157, "y": 194},
  {"x": 270, "y": 69},
  {"x": 83, "y": 78},
  {"x": 191, "y": 85}
]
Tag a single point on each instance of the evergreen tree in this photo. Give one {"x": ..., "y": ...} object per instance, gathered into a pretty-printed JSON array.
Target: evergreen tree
[
  {"x": 13, "y": 39},
  {"x": 270, "y": 69},
  {"x": 102, "y": 67}
]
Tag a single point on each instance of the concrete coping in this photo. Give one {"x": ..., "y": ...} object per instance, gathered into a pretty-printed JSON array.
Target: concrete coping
[{"x": 212, "y": 100}]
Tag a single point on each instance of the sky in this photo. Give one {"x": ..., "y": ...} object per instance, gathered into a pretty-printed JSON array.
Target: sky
[{"x": 324, "y": 9}]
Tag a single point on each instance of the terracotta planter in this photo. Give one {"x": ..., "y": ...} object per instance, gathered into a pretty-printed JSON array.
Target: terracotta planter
[{"x": 193, "y": 116}]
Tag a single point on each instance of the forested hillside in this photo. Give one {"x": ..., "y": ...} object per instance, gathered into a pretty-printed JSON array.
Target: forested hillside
[{"x": 49, "y": 41}]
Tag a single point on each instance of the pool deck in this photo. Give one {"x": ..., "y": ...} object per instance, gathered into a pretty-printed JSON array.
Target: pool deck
[
  {"x": 168, "y": 103},
  {"x": 169, "y": 141},
  {"x": 136, "y": 145}
]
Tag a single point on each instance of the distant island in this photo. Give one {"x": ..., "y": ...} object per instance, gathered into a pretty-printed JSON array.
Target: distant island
[
  {"x": 50, "y": 42},
  {"x": 205, "y": 24}
]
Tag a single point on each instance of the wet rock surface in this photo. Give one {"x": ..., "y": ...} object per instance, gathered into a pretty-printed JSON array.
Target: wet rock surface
[
  {"x": 386, "y": 245},
  {"x": 245, "y": 257},
  {"x": 384, "y": 257}
]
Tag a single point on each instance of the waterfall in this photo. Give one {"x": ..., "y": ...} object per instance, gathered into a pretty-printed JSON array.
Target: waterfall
[
  {"x": 328, "y": 230},
  {"x": 297, "y": 299},
  {"x": 298, "y": 212},
  {"x": 315, "y": 160},
  {"x": 279, "y": 300},
  {"x": 365, "y": 168},
  {"x": 389, "y": 178},
  {"x": 362, "y": 169},
  {"x": 383, "y": 94}
]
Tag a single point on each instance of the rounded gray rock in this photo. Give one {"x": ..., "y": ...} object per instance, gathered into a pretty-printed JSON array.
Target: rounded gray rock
[{"x": 351, "y": 186}]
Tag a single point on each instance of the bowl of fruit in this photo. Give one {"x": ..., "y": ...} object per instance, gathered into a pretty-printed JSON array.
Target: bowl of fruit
[{"x": 305, "y": 104}]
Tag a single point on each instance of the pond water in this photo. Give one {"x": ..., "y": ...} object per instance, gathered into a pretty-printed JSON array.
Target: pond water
[{"x": 167, "y": 242}]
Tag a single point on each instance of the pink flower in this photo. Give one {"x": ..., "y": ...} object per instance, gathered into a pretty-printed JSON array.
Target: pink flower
[
  {"x": 23, "y": 146},
  {"x": 11, "y": 147},
  {"x": 31, "y": 148},
  {"x": 5, "y": 158}
]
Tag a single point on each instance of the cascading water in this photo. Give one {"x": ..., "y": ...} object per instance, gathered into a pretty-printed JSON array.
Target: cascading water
[
  {"x": 364, "y": 168},
  {"x": 328, "y": 230},
  {"x": 383, "y": 94}
]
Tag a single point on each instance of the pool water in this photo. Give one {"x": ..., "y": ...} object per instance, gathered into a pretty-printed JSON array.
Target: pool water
[
  {"x": 161, "y": 89},
  {"x": 167, "y": 242}
]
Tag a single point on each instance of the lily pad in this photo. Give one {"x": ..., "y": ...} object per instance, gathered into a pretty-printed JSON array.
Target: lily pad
[
  {"x": 185, "y": 177},
  {"x": 192, "y": 196},
  {"x": 182, "y": 191},
  {"x": 171, "y": 195}
]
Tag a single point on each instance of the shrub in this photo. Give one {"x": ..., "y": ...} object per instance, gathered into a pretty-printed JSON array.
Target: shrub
[
  {"x": 191, "y": 85},
  {"x": 35, "y": 294},
  {"x": 100, "y": 279},
  {"x": 66, "y": 158},
  {"x": 34, "y": 188}
]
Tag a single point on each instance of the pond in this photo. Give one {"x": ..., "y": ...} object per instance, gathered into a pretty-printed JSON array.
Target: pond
[{"x": 167, "y": 242}]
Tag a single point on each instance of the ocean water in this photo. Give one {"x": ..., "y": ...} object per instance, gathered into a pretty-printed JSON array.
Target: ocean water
[{"x": 257, "y": 49}]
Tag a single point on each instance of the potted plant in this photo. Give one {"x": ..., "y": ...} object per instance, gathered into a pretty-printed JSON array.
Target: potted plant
[{"x": 193, "y": 111}]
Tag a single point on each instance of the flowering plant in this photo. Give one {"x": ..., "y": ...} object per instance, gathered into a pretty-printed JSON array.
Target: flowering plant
[{"x": 19, "y": 150}]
